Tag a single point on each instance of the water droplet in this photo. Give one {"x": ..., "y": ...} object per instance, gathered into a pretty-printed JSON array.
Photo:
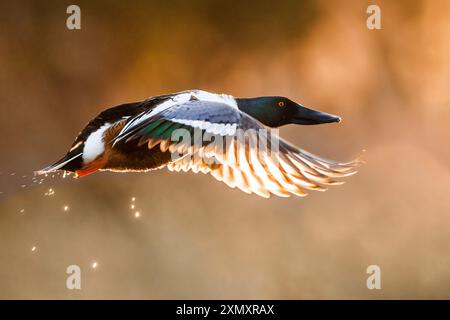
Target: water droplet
[
  {"x": 66, "y": 208},
  {"x": 33, "y": 248},
  {"x": 137, "y": 214},
  {"x": 94, "y": 265},
  {"x": 50, "y": 191}
]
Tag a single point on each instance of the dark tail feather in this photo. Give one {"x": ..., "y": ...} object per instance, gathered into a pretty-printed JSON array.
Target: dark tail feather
[{"x": 68, "y": 163}]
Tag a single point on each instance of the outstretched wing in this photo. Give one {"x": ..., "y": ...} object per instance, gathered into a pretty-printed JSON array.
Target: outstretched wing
[{"x": 234, "y": 148}]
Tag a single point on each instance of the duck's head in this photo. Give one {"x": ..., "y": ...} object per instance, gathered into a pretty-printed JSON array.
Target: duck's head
[{"x": 276, "y": 111}]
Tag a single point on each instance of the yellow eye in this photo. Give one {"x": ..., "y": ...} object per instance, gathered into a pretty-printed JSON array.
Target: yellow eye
[{"x": 281, "y": 103}]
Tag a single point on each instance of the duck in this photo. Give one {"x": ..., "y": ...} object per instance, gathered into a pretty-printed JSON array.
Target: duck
[{"x": 234, "y": 140}]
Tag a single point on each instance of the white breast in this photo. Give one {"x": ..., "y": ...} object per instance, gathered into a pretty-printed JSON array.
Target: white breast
[{"x": 94, "y": 146}]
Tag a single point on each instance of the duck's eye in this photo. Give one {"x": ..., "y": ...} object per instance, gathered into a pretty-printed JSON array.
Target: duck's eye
[{"x": 281, "y": 103}]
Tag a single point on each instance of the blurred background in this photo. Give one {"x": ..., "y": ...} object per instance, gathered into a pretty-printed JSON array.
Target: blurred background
[{"x": 195, "y": 237}]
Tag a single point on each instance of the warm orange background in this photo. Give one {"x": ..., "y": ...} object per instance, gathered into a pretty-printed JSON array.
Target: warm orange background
[{"x": 196, "y": 238}]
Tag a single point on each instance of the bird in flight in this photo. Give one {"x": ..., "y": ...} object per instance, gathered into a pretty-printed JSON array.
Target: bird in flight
[{"x": 229, "y": 138}]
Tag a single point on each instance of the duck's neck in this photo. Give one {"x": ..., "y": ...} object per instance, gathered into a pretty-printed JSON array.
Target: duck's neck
[{"x": 257, "y": 108}]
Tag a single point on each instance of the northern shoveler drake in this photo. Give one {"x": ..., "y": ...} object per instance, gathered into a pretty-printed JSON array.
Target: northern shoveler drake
[{"x": 139, "y": 136}]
